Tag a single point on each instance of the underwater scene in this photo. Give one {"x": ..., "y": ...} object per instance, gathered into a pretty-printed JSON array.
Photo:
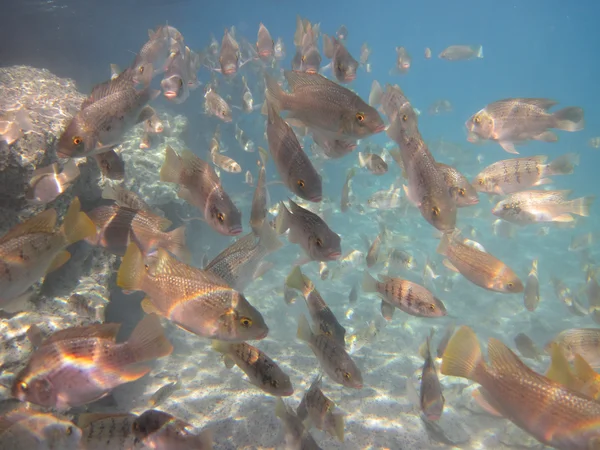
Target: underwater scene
[{"x": 299, "y": 225}]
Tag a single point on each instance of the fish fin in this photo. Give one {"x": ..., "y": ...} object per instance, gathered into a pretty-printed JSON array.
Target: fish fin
[
  {"x": 77, "y": 225},
  {"x": 146, "y": 113},
  {"x": 408, "y": 193},
  {"x": 148, "y": 341},
  {"x": 328, "y": 46},
  {"x": 581, "y": 206},
  {"x": 369, "y": 284},
  {"x": 299, "y": 79},
  {"x": 543, "y": 181},
  {"x": 274, "y": 95},
  {"x": 44, "y": 222},
  {"x": 375, "y": 94},
  {"x": 177, "y": 244},
  {"x": 563, "y": 218},
  {"x": 194, "y": 164},
  {"x": 297, "y": 280},
  {"x": 462, "y": 357},
  {"x": 479, "y": 51},
  {"x": 148, "y": 307},
  {"x": 282, "y": 221},
  {"x": 387, "y": 310},
  {"x": 281, "y": 410},
  {"x": 338, "y": 426},
  {"x": 508, "y": 147},
  {"x": 503, "y": 359},
  {"x": 131, "y": 272},
  {"x": 224, "y": 348},
  {"x": 560, "y": 369},
  {"x": 264, "y": 156},
  {"x": 35, "y": 336},
  {"x": 546, "y": 136},
  {"x": 172, "y": 167},
  {"x": 569, "y": 119},
  {"x": 483, "y": 402},
  {"x": 444, "y": 244},
  {"x": 186, "y": 194},
  {"x": 115, "y": 70},
  {"x": 102, "y": 330},
  {"x": 449, "y": 265},
  {"x": 361, "y": 160},
  {"x": 268, "y": 239},
  {"x": 304, "y": 332},
  {"x": 564, "y": 164},
  {"x": 58, "y": 261},
  {"x": 583, "y": 370}
]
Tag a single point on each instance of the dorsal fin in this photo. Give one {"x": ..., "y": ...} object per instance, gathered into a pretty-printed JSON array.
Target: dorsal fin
[
  {"x": 101, "y": 330},
  {"x": 44, "y": 222}
]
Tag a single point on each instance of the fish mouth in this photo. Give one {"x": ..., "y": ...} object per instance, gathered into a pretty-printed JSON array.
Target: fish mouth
[
  {"x": 229, "y": 70},
  {"x": 235, "y": 230},
  {"x": 265, "y": 54},
  {"x": 334, "y": 255},
  {"x": 262, "y": 335},
  {"x": 159, "y": 129},
  {"x": 380, "y": 128},
  {"x": 144, "y": 146},
  {"x": 287, "y": 393},
  {"x": 311, "y": 71},
  {"x": 349, "y": 78},
  {"x": 316, "y": 198},
  {"x": 171, "y": 95}
]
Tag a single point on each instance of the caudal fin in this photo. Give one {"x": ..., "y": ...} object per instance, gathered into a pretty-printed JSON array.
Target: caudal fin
[
  {"x": 148, "y": 340},
  {"x": 177, "y": 244},
  {"x": 131, "y": 273},
  {"x": 77, "y": 225},
  {"x": 304, "y": 332},
  {"x": 569, "y": 119},
  {"x": 581, "y": 206},
  {"x": 462, "y": 357},
  {"x": 275, "y": 96},
  {"x": 172, "y": 167},
  {"x": 369, "y": 284},
  {"x": 564, "y": 165}
]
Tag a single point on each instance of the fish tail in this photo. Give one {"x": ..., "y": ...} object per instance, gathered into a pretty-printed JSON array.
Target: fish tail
[
  {"x": 462, "y": 357},
  {"x": 569, "y": 119},
  {"x": 275, "y": 96},
  {"x": 376, "y": 94},
  {"x": 297, "y": 280},
  {"x": 560, "y": 369},
  {"x": 77, "y": 225},
  {"x": 177, "y": 244},
  {"x": 361, "y": 160},
  {"x": 369, "y": 284},
  {"x": 328, "y": 46},
  {"x": 280, "y": 409},
  {"x": 148, "y": 341},
  {"x": 268, "y": 239},
  {"x": 581, "y": 206},
  {"x": 583, "y": 370},
  {"x": 444, "y": 244},
  {"x": 564, "y": 165},
  {"x": 479, "y": 51},
  {"x": 172, "y": 167},
  {"x": 304, "y": 332},
  {"x": 225, "y": 349},
  {"x": 338, "y": 426},
  {"x": 131, "y": 272},
  {"x": 282, "y": 221}
]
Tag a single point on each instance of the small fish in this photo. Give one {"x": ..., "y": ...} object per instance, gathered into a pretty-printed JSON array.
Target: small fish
[
  {"x": 462, "y": 52},
  {"x": 405, "y": 295},
  {"x": 583, "y": 241},
  {"x": 345, "y": 198},
  {"x": 111, "y": 165},
  {"x": 293, "y": 165},
  {"x": 594, "y": 142},
  {"x": 373, "y": 162},
  {"x": 196, "y": 300},
  {"x": 307, "y": 58},
  {"x": 215, "y": 105},
  {"x": 246, "y": 143},
  {"x": 431, "y": 397},
  {"x": 118, "y": 226},
  {"x": 324, "y": 319},
  {"x": 582, "y": 341},
  {"x": 343, "y": 64},
  {"x": 400, "y": 259},
  {"x": 247, "y": 99},
  {"x": 529, "y": 207},
  {"x": 331, "y": 355},
  {"x": 503, "y": 229},
  {"x": 526, "y": 347},
  {"x": 279, "y": 49},
  {"x": 33, "y": 248},
  {"x": 318, "y": 411},
  {"x": 570, "y": 420},
  {"x": 375, "y": 248},
  {"x": 201, "y": 187},
  {"x": 163, "y": 393},
  {"x": 309, "y": 231},
  {"x": 79, "y": 365},
  {"x": 386, "y": 199},
  {"x": 262, "y": 371},
  {"x": 323, "y": 270},
  {"x": 264, "y": 43},
  {"x": 592, "y": 290},
  {"x": 518, "y": 174},
  {"x": 365, "y": 52},
  {"x": 13, "y": 125},
  {"x": 309, "y": 102},
  {"x": 226, "y": 163},
  {"x": 441, "y": 348},
  {"x": 427, "y": 53},
  {"x": 364, "y": 336},
  {"x": 229, "y": 56},
  {"x": 260, "y": 201},
  {"x": 333, "y": 148},
  {"x": 353, "y": 295},
  {"x": 461, "y": 191},
  {"x": 249, "y": 179},
  {"x": 154, "y": 124},
  {"x": 403, "y": 60},
  {"x": 515, "y": 120},
  {"x": 531, "y": 295},
  {"x": 125, "y": 198},
  {"x": 47, "y": 184},
  {"x": 296, "y": 435},
  {"x": 479, "y": 267}
]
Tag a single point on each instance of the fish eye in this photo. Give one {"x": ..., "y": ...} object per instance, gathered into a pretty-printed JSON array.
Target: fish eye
[
  {"x": 360, "y": 117},
  {"x": 246, "y": 322},
  {"x": 347, "y": 376},
  {"x": 510, "y": 285},
  {"x": 77, "y": 140},
  {"x": 404, "y": 117},
  {"x": 477, "y": 119},
  {"x": 180, "y": 82},
  {"x": 432, "y": 307},
  {"x": 300, "y": 183},
  {"x": 275, "y": 383},
  {"x": 506, "y": 206},
  {"x": 480, "y": 181},
  {"x": 319, "y": 242},
  {"x": 303, "y": 58},
  {"x": 221, "y": 217},
  {"x": 462, "y": 192},
  {"x": 69, "y": 431},
  {"x": 435, "y": 211},
  {"x": 23, "y": 386},
  {"x": 141, "y": 69}
]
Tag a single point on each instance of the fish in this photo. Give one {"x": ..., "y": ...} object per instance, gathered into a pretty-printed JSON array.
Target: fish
[
  {"x": 427, "y": 53},
  {"x": 34, "y": 248},
  {"x": 229, "y": 56},
  {"x": 238, "y": 263},
  {"x": 361, "y": 337},
  {"x": 515, "y": 120},
  {"x": 526, "y": 347},
  {"x": 592, "y": 290},
  {"x": 462, "y": 52},
  {"x": 427, "y": 188},
  {"x": 215, "y": 105},
  {"x": 309, "y": 102},
  {"x": 317, "y": 410},
  {"x": 307, "y": 58},
  {"x": 581, "y": 377},
  {"x": 33, "y": 430},
  {"x": 260, "y": 201},
  {"x": 553, "y": 414},
  {"x": 247, "y": 99},
  {"x": 582, "y": 341},
  {"x": 503, "y": 229},
  {"x": 279, "y": 49},
  {"x": 345, "y": 198},
  {"x": 441, "y": 348},
  {"x": 262, "y": 371},
  {"x": 365, "y": 52},
  {"x": 405, "y": 295},
  {"x": 125, "y": 198},
  {"x": 518, "y": 174},
  {"x": 479, "y": 267},
  {"x": 296, "y": 435},
  {"x": 118, "y": 226},
  {"x": 246, "y": 143},
  {"x": 200, "y": 186},
  {"x": 322, "y": 317},
  {"x": 461, "y": 191},
  {"x": 344, "y": 66},
  {"x": 403, "y": 60},
  {"x": 164, "y": 392},
  {"x": 332, "y": 356},
  {"x": 375, "y": 247},
  {"x": 333, "y": 148},
  {"x": 400, "y": 259},
  {"x": 175, "y": 81},
  {"x": 265, "y": 46},
  {"x": 14, "y": 124},
  {"x": 111, "y": 165},
  {"x": 293, "y": 165},
  {"x": 225, "y": 162},
  {"x": 431, "y": 398},
  {"x": 594, "y": 142},
  {"x": 531, "y": 295},
  {"x": 47, "y": 183},
  {"x": 109, "y": 112},
  {"x": 386, "y": 199},
  {"x": 373, "y": 162},
  {"x": 353, "y": 295},
  {"x": 249, "y": 180},
  {"x": 196, "y": 300},
  {"x": 309, "y": 231},
  {"x": 529, "y": 207},
  {"x": 101, "y": 431},
  {"x": 583, "y": 241},
  {"x": 323, "y": 270},
  {"x": 79, "y": 365}
]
